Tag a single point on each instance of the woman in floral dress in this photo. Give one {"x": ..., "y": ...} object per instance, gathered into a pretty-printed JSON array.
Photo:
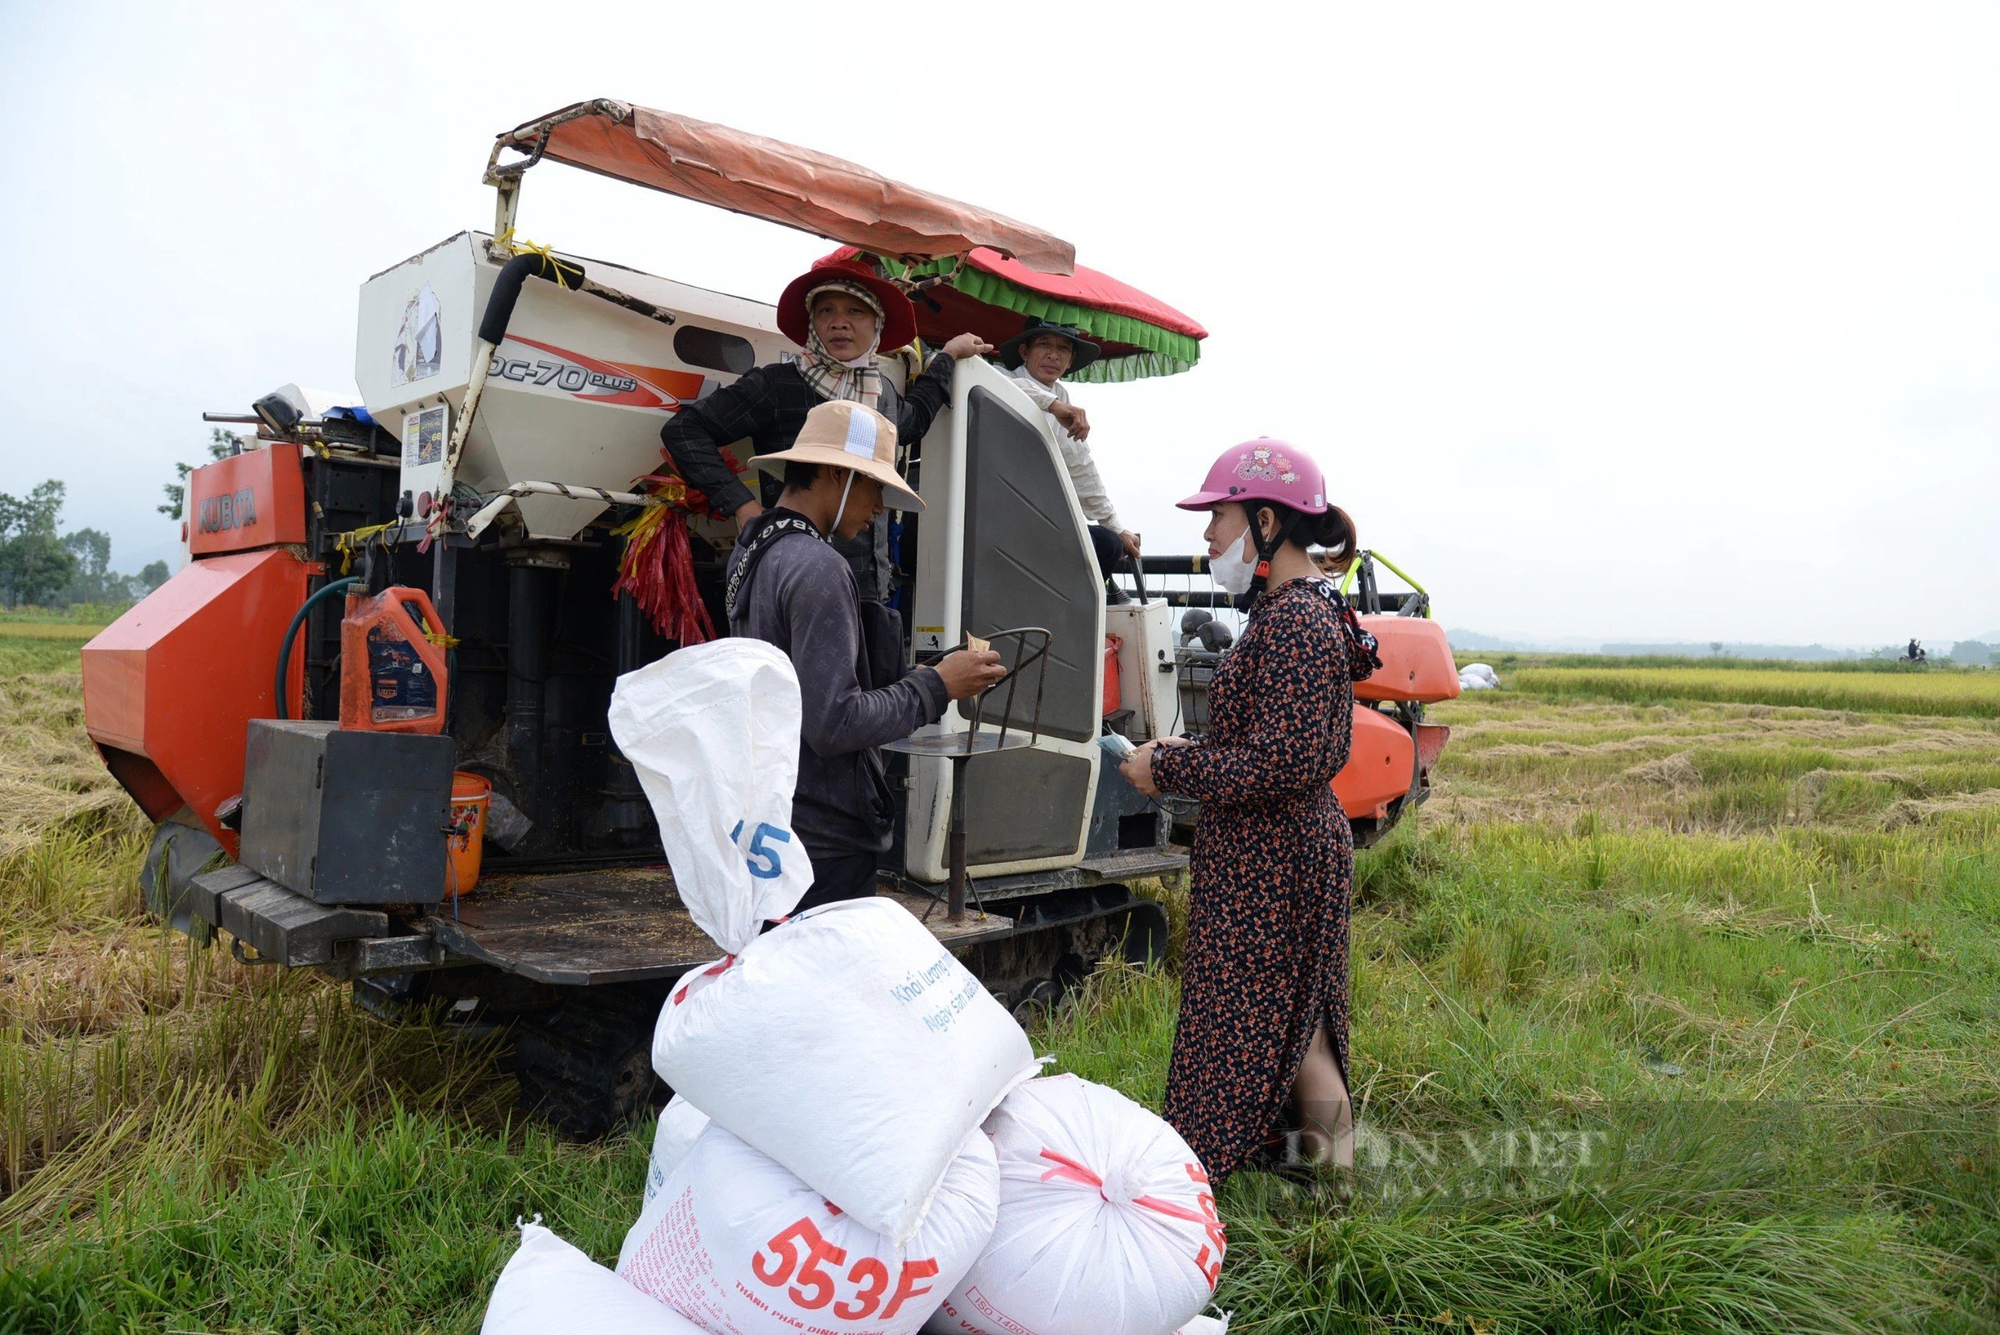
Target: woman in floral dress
[{"x": 1262, "y": 1042}]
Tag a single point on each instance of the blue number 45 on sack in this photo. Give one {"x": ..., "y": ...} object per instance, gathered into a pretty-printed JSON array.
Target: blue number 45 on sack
[{"x": 773, "y": 865}]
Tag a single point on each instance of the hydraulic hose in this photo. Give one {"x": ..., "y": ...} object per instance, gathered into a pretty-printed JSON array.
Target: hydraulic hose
[
  {"x": 326, "y": 590},
  {"x": 507, "y": 289}
]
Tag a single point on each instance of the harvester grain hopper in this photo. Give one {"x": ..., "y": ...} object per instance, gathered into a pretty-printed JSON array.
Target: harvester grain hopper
[{"x": 509, "y": 400}]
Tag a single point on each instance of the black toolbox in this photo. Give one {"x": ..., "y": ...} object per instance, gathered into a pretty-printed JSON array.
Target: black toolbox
[{"x": 344, "y": 816}]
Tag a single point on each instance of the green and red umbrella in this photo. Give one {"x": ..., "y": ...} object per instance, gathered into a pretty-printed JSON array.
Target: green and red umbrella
[{"x": 985, "y": 293}]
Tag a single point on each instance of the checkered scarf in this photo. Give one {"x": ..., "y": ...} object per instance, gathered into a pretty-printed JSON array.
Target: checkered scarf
[{"x": 831, "y": 378}]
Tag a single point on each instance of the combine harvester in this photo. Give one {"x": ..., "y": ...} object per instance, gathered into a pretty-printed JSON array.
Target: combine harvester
[{"x": 510, "y": 399}]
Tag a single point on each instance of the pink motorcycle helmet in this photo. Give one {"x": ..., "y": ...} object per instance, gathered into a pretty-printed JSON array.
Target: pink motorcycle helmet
[{"x": 1263, "y": 469}]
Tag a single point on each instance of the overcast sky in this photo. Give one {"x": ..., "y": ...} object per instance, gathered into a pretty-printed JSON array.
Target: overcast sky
[{"x": 1665, "y": 322}]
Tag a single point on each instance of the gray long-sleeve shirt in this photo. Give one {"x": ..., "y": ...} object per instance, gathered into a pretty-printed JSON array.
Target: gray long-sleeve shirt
[{"x": 801, "y": 597}]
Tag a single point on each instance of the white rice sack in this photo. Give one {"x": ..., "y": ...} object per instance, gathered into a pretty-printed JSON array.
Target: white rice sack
[
  {"x": 551, "y": 1288},
  {"x": 713, "y": 735},
  {"x": 737, "y": 1244},
  {"x": 680, "y": 1123},
  {"x": 1477, "y": 677},
  {"x": 1107, "y": 1222},
  {"x": 849, "y": 1046}
]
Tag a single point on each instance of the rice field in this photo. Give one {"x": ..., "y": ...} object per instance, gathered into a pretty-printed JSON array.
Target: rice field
[
  {"x": 1674, "y": 1010},
  {"x": 1964, "y": 693}
]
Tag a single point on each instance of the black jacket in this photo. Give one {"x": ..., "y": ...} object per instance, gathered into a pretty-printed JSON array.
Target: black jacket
[
  {"x": 769, "y": 404},
  {"x": 801, "y": 597}
]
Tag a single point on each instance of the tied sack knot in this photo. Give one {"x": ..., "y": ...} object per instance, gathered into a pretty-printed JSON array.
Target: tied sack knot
[
  {"x": 1114, "y": 1184},
  {"x": 1118, "y": 1187}
]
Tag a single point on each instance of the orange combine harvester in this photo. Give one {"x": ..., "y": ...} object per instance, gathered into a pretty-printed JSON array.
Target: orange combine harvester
[{"x": 509, "y": 397}]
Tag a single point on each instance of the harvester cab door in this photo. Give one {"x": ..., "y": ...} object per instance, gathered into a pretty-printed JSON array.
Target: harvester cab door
[{"x": 1002, "y": 545}]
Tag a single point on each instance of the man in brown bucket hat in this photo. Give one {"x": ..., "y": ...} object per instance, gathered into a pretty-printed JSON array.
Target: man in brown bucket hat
[{"x": 800, "y": 594}]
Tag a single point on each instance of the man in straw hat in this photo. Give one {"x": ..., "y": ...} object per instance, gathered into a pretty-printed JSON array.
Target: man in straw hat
[
  {"x": 843, "y": 316},
  {"x": 1038, "y": 358},
  {"x": 788, "y": 586}
]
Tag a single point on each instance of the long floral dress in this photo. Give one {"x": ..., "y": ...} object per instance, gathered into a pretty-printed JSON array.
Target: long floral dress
[{"x": 1272, "y": 875}]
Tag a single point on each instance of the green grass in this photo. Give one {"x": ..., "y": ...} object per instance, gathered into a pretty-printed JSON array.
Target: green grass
[
  {"x": 396, "y": 1223},
  {"x": 1750, "y": 947},
  {"x": 1968, "y": 692},
  {"x": 90, "y": 616},
  {"x": 40, "y": 650}
]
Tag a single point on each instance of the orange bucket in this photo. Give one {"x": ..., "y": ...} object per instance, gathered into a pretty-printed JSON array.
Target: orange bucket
[{"x": 470, "y": 795}]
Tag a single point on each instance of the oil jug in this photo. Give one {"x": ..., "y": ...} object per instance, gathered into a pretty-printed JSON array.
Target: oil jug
[{"x": 392, "y": 663}]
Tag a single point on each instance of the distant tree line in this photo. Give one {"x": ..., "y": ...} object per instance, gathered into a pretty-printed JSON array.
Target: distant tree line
[{"x": 42, "y": 566}]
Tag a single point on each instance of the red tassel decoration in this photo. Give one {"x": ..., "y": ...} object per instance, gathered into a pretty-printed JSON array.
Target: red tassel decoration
[{"x": 657, "y": 568}]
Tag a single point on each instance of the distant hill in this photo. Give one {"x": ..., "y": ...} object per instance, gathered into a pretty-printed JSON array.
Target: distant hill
[{"x": 1472, "y": 641}]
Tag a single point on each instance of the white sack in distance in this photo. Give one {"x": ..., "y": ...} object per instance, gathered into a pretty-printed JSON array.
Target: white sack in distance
[
  {"x": 713, "y": 733},
  {"x": 737, "y": 1244},
  {"x": 1107, "y": 1222},
  {"x": 550, "y": 1286},
  {"x": 852, "y": 1048},
  {"x": 680, "y": 1124},
  {"x": 1477, "y": 677}
]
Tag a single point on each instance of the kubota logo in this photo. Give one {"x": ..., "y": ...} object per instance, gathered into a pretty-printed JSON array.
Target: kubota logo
[{"x": 229, "y": 510}]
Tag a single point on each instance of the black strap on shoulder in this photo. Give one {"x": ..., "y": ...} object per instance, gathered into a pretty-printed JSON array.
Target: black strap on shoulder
[
  {"x": 1363, "y": 651},
  {"x": 753, "y": 551}
]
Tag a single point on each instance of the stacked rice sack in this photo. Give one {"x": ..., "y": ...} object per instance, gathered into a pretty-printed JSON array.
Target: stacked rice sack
[
  {"x": 857, "y": 1142},
  {"x": 1478, "y": 677},
  {"x": 736, "y": 1243},
  {"x": 550, "y": 1287},
  {"x": 1106, "y": 1222},
  {"x": 822, "y": 1165}
]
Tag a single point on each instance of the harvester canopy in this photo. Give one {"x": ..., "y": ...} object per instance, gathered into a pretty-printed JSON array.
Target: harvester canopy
[
  {"x": 775, "y": 181},
  {"x": 987, "y": 294}
]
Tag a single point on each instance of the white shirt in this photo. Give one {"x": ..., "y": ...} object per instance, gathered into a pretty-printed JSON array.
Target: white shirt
[{"x": 1090, "y": 493}]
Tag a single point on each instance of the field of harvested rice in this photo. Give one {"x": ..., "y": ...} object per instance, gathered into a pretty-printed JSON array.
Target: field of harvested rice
[{"x": 1675, "y": 1009}]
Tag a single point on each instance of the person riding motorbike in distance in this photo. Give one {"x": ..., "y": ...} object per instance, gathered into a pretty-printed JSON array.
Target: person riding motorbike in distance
[{"x": 1261, "y": 1049}]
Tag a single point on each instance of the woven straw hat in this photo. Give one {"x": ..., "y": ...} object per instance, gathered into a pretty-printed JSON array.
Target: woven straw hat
[
  {"x": 899, "y": 317},
  {"x": 843, "y": 434}
]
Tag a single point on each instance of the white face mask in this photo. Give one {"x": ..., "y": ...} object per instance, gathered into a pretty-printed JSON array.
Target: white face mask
[{"x": 1232, "y": 570}]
